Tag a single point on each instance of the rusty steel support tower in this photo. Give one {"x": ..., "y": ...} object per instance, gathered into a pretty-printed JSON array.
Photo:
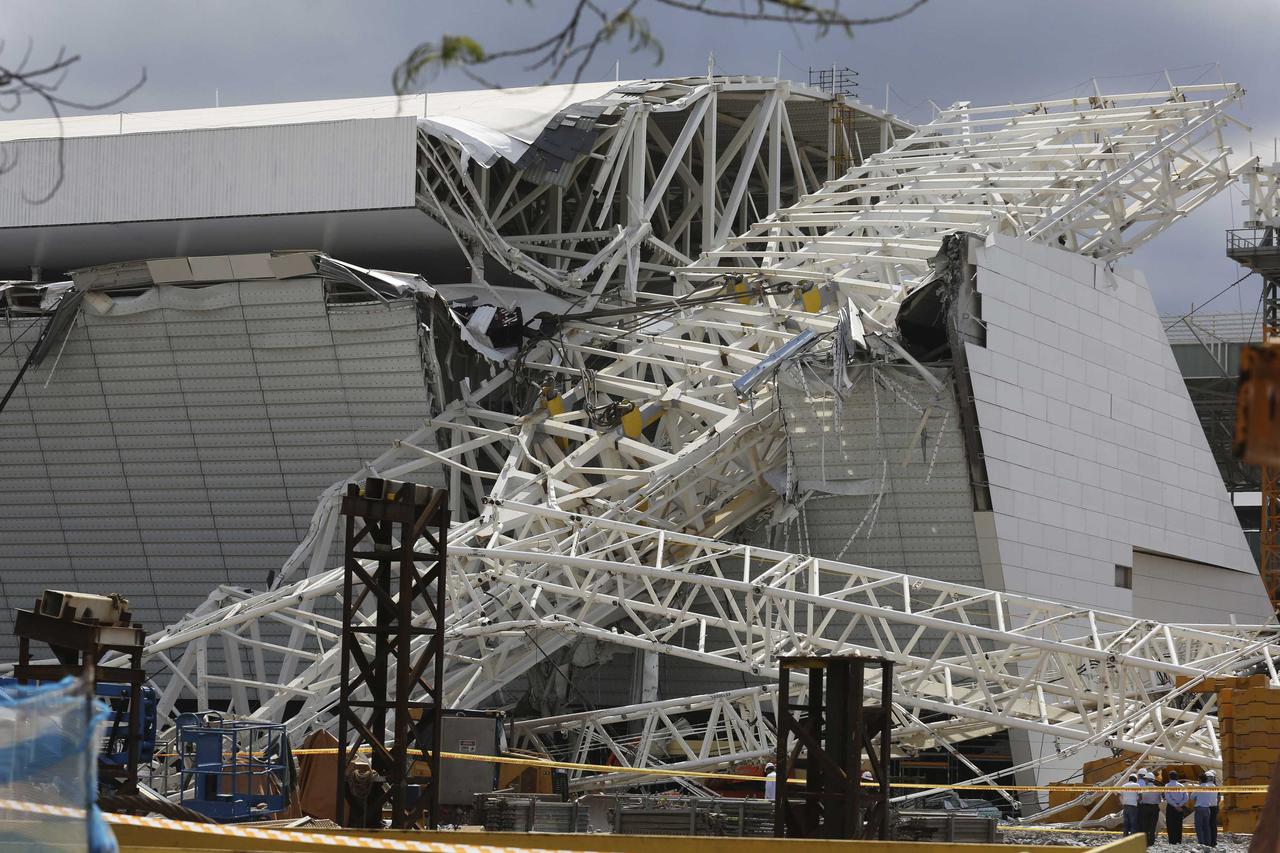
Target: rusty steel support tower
[
  {"x": 393, "y": 571},
  {"x": 835, "y": 728}
]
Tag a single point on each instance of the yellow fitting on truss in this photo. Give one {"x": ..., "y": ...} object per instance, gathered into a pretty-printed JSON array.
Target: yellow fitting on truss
[
  {"x": 553, "y": 401},
  {"x": 633, "y": 423},
  {"x": 811, "y": 298}
]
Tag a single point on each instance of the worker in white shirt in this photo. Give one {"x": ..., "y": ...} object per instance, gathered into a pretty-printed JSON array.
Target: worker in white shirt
[
  {"x": 1207, "y": 811},
  {"x": 770, "y": 782},
  {"x": 1149, "y": 806},
  {"x": 1129, "y": 804},
  {"x": 1175, "y": 807}
]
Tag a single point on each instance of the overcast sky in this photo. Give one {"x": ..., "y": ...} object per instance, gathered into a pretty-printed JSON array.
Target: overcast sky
[{"x": 985, "y": 51}]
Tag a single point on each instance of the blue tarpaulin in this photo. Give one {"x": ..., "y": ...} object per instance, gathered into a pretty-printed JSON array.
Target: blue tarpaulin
[{"x": 48, "y": 758}]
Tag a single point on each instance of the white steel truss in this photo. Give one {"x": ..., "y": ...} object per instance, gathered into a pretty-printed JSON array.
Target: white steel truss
[
  {"x": 598, "y": 526},
  {"x": 670, "y": 168}
]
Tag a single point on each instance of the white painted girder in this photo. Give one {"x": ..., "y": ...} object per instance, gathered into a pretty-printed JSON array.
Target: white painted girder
[{"x": 589, "y": 533}]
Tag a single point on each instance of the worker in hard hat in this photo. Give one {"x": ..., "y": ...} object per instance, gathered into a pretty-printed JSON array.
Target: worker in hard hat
[
  {"x": 770, "y": 782},
  {"x": 1207, "y": 810},
  {"x": 1129, "y": 804},
  {"x": 1175, "y": 807},
  {"x": 1148, "y": 806}
]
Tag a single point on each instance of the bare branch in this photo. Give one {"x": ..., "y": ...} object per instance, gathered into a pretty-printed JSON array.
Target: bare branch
[
  {"x": 588, "y": 27},
  {"x": 19, "y": 82}
]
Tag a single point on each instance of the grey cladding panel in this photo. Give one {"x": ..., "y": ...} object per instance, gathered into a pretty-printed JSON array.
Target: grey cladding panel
[
  {"x": 250, "y": 171},
  {"x": 161, "y": 471}
]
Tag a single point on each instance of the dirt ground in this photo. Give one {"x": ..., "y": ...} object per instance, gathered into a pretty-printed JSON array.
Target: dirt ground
[{"x": 1227, "y": 842}]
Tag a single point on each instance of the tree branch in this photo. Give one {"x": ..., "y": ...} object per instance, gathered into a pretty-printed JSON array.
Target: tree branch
[
  {"x": 42, "y": 83},
  {"x": 575, "y": 44}
]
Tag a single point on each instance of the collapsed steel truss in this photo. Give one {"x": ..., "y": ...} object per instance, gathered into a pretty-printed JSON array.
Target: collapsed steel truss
[
  {"x": 666, "y": 170},
  {"x": 597, "y": 526}
]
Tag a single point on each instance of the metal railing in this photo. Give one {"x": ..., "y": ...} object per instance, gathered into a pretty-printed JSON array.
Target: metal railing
[{"x": 1251, "y": 239}]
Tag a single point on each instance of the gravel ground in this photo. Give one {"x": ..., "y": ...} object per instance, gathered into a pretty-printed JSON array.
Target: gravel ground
[{"x": 1227, "y": 842}]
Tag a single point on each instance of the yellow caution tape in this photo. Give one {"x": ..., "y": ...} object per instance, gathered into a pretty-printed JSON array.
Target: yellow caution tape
[
  {"x": 263, "y": 834},
  {"x": 295, "y": 835},
  {"x": 740, "y": 777}
]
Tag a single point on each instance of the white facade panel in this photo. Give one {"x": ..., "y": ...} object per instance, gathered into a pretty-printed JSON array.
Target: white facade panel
[
  {"x": 226, "y": 172},
  {"x": 1125, "y": 464}
]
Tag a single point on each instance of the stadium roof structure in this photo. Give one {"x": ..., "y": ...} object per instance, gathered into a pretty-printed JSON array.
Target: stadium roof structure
[
  {"x": 559, "y": 186},
  {"x": 585, "y": 528}
]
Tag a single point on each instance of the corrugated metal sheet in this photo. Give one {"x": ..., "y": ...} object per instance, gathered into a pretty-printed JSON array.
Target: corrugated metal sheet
[
  {"x": 246, "y": 171},
  {"x": 924, "y": 525},
  {"x": 174, "y": 450}
]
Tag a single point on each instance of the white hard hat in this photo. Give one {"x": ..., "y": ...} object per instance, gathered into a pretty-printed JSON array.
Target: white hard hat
[
  {"x": 1211, "y": 773},
  {"x": 866, "y": 775}
]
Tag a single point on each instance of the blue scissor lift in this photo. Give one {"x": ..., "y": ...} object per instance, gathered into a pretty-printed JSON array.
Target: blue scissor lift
[{"x": 232, "y": 770}]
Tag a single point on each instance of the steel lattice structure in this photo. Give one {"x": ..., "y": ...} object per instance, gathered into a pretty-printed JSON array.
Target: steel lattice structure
[
  {"x": 661, "y": 171},
  {"x": 591, "y": 528}
]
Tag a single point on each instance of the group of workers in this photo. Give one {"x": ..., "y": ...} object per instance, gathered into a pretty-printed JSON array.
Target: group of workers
[
  {"x": 1141, "y": 804},
  {"x": 1142, "y": 807}
]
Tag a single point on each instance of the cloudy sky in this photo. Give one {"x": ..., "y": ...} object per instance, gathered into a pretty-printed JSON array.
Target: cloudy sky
[{"x": 985, "y": 51}]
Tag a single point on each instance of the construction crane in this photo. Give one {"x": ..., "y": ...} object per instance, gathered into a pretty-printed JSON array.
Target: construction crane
[{"x": 1257, "y": 439}]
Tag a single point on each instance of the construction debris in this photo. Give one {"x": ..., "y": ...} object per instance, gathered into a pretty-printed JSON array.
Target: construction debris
[{"x": 622, "y": 467}]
